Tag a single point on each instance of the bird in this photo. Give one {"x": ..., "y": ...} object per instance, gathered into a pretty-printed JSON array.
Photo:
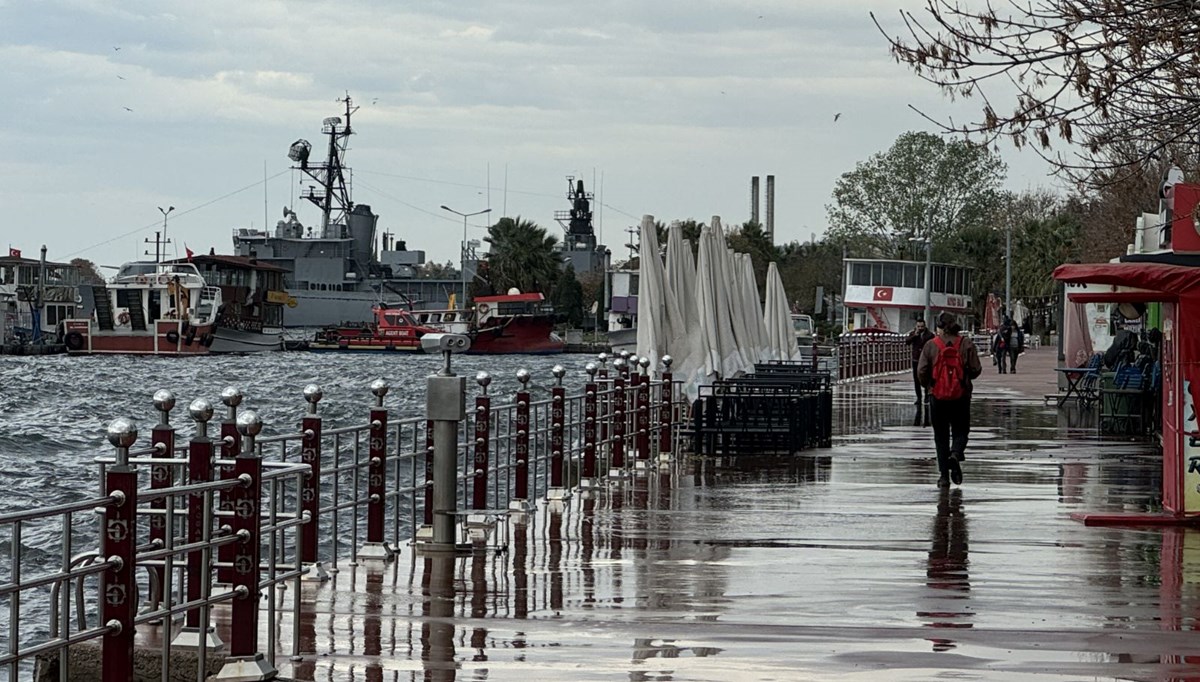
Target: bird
[
  {"x": 127, "y": 109},
  {"x": 837, "y": 116},
  {"x": 116, "y": 49},
  {"x": 374, "y": 100},
  {"x": 121, "y": 77}
]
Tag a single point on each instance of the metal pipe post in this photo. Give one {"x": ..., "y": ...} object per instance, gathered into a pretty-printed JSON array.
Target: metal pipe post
[{"x": 118, "y": 604}]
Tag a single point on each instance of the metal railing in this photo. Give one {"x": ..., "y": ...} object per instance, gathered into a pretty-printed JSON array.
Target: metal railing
[
  {"x": 872, "y": 354},
  {"x": 185, "y": 529}
]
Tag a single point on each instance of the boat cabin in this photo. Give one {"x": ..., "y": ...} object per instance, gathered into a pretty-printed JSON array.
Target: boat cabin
[{"x": 252, "y": 291}]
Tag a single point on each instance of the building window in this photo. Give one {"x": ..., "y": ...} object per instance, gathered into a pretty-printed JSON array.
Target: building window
[
  {"x": 910, "y": 276},
  {"x": 860, "y": 274},
  {"x": 891, "y": 275}
]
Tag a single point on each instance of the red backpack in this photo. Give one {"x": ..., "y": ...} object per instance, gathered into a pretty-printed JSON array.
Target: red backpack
[{"x": 949, "y": 379}]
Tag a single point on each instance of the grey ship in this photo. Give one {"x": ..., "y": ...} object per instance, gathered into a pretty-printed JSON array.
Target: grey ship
[{"x": 334, "y": 272}]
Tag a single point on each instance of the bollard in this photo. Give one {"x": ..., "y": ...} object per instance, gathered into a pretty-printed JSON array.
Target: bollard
[
  {"x": 231, "y": 445},
  {"x": 558, "y": 404},
  {"x": 483, "y": 421},
  {"x": 616, "y": 462},
  {"x": 376, "y": 549},
  {"x": 199, "y": 571},
  {"x": 520, "y": 501},
  {"x": 604, "y": 404},
  {"x": 246, "y": 663},
  {"x": 445, "y": 407},
  {"x": 117, "y": 545},
  {"x": 310, "y": 490},
  {"x": 642, "y": 415},
  {"x": 589, "y": 426},
  {"x": 666, "y": 410},
  {"x": 162, "y": 437}
]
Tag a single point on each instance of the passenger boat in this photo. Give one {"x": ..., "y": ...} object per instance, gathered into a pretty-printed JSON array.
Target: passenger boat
[
  {"x": 250, "y": 317},
  {"x": 149, "y": 308},
  {"x": 513, "y": 323}
]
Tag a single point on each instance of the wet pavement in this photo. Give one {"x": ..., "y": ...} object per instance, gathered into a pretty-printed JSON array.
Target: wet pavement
[{"x": 842, "y": 564}]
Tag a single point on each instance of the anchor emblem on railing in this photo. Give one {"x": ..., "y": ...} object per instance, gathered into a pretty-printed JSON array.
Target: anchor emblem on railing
[
  {"x": 117, "y": 530},
  {"x": 375, "y": 480},
  {"x": 308, "y": 455},
  {"x": 158, "y": 474},
  {"x": 307, "y": 495},
  {"x": 244, "y": 509},
  {"x": 114, "y": 595},
  {"x": 376, "y": 443}
]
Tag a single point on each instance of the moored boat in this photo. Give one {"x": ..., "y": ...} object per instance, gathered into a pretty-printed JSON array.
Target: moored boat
[
  {"x": 250, "y": 317},
  {"x": 147, "y": 309},
  {"x": 394, "y": 329}
]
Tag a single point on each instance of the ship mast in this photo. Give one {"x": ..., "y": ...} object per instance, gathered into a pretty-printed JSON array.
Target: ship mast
[{"x": 332, "y": 191}]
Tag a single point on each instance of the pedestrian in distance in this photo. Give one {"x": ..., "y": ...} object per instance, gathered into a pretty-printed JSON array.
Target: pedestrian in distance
[
  {"x": 947, "y": 367},
  {"x": 1000, "y": 345},
  {"x": 917, "y": 338},
  {"x": 1016, "y": 347}
]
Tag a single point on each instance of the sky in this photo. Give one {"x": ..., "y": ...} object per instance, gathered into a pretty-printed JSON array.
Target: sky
[{"x": 666, "y": 108}]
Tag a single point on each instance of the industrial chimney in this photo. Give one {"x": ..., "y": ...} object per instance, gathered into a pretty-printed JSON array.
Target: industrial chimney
[
  {"x": 754, "y": 198},
  {"x": 770, "y": 227}
]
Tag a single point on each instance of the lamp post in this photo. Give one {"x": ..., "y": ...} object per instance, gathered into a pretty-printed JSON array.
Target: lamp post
[
  {"x": 165, "y": 241},
  {"x": 1008, "y": 272},
  {"x": 463, "y": 260},
  {"x": 928, "y": 269}
]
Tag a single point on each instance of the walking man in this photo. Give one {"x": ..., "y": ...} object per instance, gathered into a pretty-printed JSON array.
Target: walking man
[
  {"x": 1015, "y": 348},
  {"x": 917, "y": 338},
  {"x": 947, "y": 366}
]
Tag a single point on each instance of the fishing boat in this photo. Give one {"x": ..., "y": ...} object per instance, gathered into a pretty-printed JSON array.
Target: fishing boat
[
  {"x": 394, "y": 329},
  {"x": 148, "y": 308},
  {"x": 250, "y": 317}
]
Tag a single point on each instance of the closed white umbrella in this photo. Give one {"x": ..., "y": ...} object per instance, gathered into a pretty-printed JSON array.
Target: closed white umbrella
[
  {"x": 719, "y": 355},
  {"x": 660, "y": 323},
  {"x": 727, "y": 301},
  {"x": 680, "y": 264},
  {"x": 781, "y": 335},
  {"x": 752, "y": 308}
]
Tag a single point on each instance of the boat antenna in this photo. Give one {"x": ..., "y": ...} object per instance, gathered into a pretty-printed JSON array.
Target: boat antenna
[{"x": 331, "y": 189}]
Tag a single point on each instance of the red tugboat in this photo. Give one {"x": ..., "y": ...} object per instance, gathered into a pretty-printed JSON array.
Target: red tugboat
[{"x": 511, "y": 323}]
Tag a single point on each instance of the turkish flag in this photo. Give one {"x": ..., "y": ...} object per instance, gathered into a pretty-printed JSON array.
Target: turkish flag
[
  {"x": 883, "y": 293},
  {"x": 14, "y": 253},
  {"x": 188, "y": 252}
]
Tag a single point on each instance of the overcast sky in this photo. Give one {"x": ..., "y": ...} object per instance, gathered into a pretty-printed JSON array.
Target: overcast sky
[{"x": 116, "y": 108}]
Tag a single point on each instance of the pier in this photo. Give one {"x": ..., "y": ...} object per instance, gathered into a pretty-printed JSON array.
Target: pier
[{"x": 587, "y": 543}]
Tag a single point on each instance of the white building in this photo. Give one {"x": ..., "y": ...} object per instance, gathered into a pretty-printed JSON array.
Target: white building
[{"x": 890, "y": 294}]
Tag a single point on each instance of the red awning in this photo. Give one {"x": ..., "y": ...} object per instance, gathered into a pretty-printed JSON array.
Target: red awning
[{"x": 1160, "y": 282}]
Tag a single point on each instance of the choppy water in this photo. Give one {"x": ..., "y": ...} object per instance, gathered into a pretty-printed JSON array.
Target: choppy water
[{"x": 54, "y": 409}]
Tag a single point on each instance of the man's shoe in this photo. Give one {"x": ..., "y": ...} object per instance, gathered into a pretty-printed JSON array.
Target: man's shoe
[
  {"x": 959, "y": 456},
  {"x": 943, "y": 482},
  {"x": 955, "y": 472}
]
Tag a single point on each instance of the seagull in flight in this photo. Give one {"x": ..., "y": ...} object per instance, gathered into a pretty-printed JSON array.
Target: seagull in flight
[
  {"x": 116, "y": 49},
  {"x": 121, "y": 77},
  {"x": 374, "y": 100},
  {"x": 127, "y": 109},
  {"x": 837, "y": 116}
]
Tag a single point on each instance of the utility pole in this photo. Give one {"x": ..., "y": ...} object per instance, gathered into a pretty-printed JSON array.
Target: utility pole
[
  {"x": 1008, "y": 273},
  {"x": 463, "y": 261}
]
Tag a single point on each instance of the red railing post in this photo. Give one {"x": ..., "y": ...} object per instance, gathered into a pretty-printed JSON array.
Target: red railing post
[
  {"x": 604, "y": 405},
  {"x": 162, "y": 437},
  {"x": 558, "y": 405},
  {"x": 617, "y": 460},
  {"x": 483, "y": 432},
  {"x": 589, "y": 422},
  {"x": 376, "y": 548},
  {"x": 200, "y": 470},
  {"x": 666, "y": 411},
  {"x": 245, "y": 662},
  {"x": 118, "y": 602},
  {"x": 231, "y": 446},
  {"x": 310, "y": 488},
  {"x": 428, "y": 515},
  {"x": 641, "y": 417},
  {"x": 521, "y": 494}
]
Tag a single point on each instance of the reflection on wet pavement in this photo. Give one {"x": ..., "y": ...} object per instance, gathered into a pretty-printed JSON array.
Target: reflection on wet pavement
[{"x": 840, "y": 564}]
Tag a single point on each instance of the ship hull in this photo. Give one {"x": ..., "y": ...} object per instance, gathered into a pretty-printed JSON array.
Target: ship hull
[
  {"x": 623, "y": 339},
  {"x": 519, "y": 336},
  {"x": 237, "y": 341},
  {"x": 169, "y": 337},
  {"x": 325, "y": 308}
]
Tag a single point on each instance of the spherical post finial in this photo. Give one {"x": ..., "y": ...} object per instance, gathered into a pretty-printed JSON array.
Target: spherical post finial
[
  {"x": 122, "y": 433},
  {"x": 619, "y": 364},
  {"x": 625, "y": 355},
  {"x": 603, "y": 358},
  {"x": 232, "y": 397},
  {"x": 523, "y": 376},
  {"x": 380, "y": 388},
  {"x": 249, "y": 425},
  {"x": 591, "y": 369},
  {"x": 484, "y": 380},
  {"x": 200, "y": 410},
  {"x": 644, "y": 363},
  {"x": 559, "y": 372},
  {"x": 667, "y": 360},
  {"x": 164, "y": 402},
  {"x": 313, "y": 395}
]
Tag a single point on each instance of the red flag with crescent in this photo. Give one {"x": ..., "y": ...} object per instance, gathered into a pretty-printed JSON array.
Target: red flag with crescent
[{"x": 883, "y": 294}]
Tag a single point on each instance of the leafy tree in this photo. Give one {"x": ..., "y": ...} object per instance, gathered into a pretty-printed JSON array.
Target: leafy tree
[
  {"x": 88, "y": 272},
  {"x": 592, "y": 289},
  {"x": 1094, "y": 72},
  {"x": 923, "y": 186},
  {"x": 750, "y": 238},
  {"x": 1039, "y": 247},
  {"x": 521, "y": 255},
  {"x": 804, "y": 267},
  {"x": 568, "y": 297}
]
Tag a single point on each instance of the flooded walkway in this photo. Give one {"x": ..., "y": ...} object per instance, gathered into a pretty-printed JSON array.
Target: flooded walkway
[{"x": 846, "y": 564}]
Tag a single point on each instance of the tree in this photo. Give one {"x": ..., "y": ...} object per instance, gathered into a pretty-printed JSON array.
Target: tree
[
  {"x": 88, "y": 272},
  {"x": 568, "y": 297},
  {"x": 1095, "y": 72},
  {"x": 750, "y": 238},
  {"x": 804, "y": 267},
  {"x": 923, "y": 186},
  {"x": 592, "y": 288},
  {"x": 521, "y": 255}
]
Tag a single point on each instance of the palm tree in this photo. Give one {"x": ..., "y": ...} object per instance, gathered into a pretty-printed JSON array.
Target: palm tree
[{"x": 521, "y": 255}]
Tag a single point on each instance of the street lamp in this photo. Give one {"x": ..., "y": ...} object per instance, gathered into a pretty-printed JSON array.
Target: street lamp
[
  {"x": 165, "y": 241},
  {"x": 928, "y": 268},
  {"x": 463, "y": 260},
  {"x": 1008, "y": 272}
]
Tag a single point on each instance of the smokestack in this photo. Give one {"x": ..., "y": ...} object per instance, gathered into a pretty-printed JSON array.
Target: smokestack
[
  {"x": 754, "y": 198},
  {"x": 770, "y": 228}
]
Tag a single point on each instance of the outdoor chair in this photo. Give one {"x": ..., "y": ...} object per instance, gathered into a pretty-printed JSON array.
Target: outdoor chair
[{"x": 1124, "y": 406}]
